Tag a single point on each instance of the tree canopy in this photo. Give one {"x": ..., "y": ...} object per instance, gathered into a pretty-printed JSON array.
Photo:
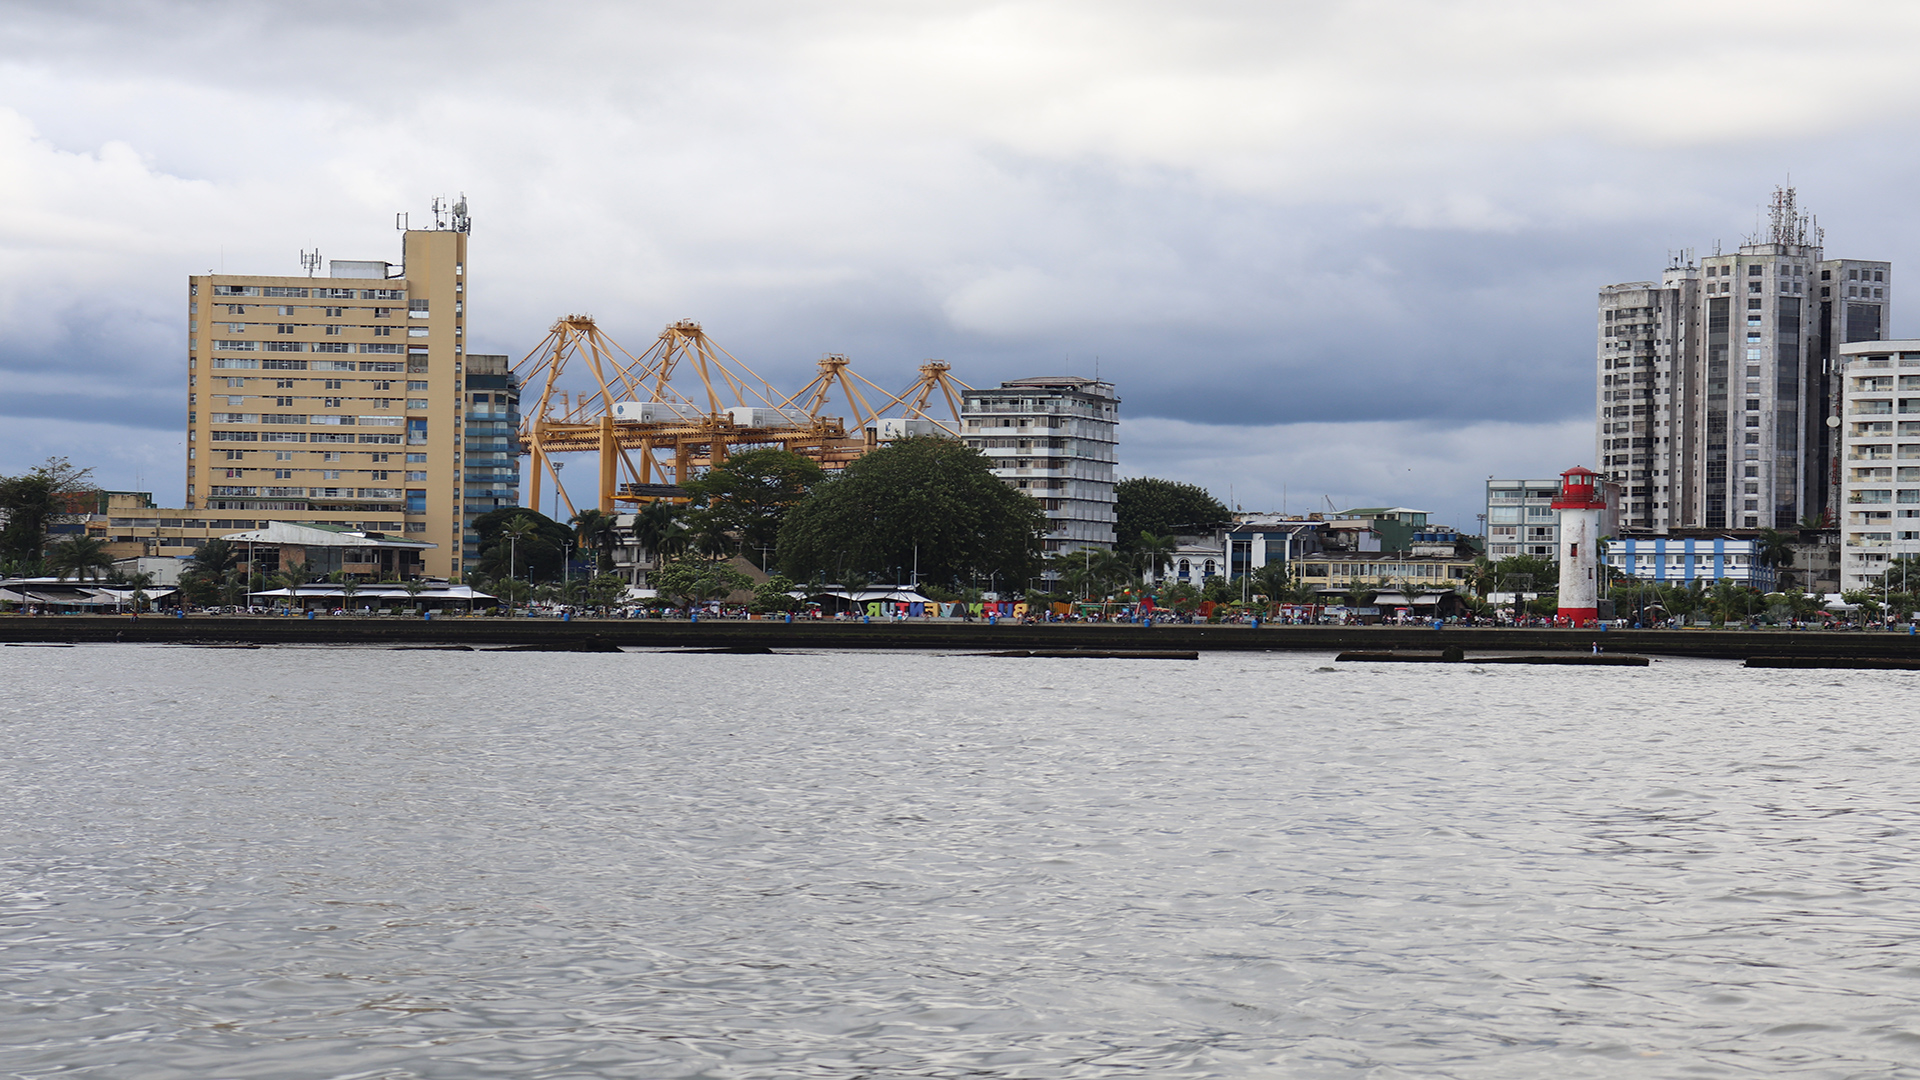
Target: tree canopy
[
  {"x": 83, "y": 558},
  {"x": 931, "y": 494},
  {"x": 692, "y": 580},
  {"x": 1162, "y": 507},
  {"x": 748, "y": 495},
  {"x": 35, "y": 500},
  {"x": 536, "y": 557}
]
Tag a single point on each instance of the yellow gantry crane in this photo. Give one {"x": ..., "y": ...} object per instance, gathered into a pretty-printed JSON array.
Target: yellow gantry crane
[{"x": 652, "y": 435}]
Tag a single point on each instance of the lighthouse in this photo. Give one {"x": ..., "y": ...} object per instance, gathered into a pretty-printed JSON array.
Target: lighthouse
[{"x": 1581, "y": 504}]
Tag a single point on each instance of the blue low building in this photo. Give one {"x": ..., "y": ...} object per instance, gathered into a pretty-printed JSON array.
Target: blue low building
[{"x": 1683, "y": 561}]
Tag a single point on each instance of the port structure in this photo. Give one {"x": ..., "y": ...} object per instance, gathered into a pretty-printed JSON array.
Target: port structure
[{"x": 653, "y": 434}]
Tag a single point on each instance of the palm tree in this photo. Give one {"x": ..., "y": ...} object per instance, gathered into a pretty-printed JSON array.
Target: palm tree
[
  {"x": 518, "y": 530},
  {"x": 1272, "y": 581},
  {"x": 853, "y": 582},
  {"x": 1110, "y": 571},
  {"x": 81, "y": 556},
  {"x": 349, "y": 586},
  {"x": 1155, "y": 553},
  {"x": 413, "y": 588},
  {"x": 232, "y": 588},
  {"x": 214, "y": 558},
  {"x": 139, "y": 579},
  {"x": 593, "y": 529},
  {"x": 1077, "y": 579},
  {"x": 1774, "y": 550},
  {"x": 293, "y": 576},
  {"x": 660, "y": 530}
]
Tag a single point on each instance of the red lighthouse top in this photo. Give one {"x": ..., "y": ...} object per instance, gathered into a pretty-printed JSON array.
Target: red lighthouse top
[{"x": 1580, "y": 490}]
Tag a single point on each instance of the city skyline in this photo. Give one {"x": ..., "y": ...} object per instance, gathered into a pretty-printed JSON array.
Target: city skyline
[{"x": 1324, "y": 258}]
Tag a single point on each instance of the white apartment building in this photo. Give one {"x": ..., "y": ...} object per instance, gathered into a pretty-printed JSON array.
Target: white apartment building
[
  {"x": 1879, "y": 435},
  {"x": 1713, "y": 385},
  {"x": 1056, "y": 438},
  {"x": 1521, "y": 519}
]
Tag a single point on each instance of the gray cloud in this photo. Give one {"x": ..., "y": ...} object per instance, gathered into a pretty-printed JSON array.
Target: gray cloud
[{"x": 1252, "y": 215}]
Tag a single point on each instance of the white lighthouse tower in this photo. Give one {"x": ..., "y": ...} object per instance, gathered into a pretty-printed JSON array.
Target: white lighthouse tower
[{"x": 1582, "y": 503}]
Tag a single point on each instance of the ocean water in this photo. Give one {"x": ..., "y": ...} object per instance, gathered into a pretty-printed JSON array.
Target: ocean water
[{"x": 311, "y": 862}]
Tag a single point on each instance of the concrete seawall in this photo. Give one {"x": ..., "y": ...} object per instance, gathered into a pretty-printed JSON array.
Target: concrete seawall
[{"x": 673, "y": 634}]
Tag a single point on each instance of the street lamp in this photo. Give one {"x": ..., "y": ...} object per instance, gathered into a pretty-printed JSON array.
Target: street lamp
[{"x": 513, "y": 557}]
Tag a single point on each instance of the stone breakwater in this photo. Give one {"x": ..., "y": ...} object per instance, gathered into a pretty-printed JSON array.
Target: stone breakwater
[{"x": 607, "y": 634}]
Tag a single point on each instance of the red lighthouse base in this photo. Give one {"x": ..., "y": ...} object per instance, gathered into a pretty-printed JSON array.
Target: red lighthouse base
[{"x": 1580, "y": 615}]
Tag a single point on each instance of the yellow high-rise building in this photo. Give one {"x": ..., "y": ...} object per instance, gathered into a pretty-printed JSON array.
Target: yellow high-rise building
[{"x": 334, "y": 400}]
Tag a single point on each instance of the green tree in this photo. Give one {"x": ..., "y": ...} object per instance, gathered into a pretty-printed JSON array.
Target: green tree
[
  {"x": 1160, "y": 507},
  {"x": 1153, "y": 553},
  {"x": 37, "y": 499},
  {"x": 83, "y": 558},
  {"x": 1775, "y": 549},
  {"x": 1272, "y": 581},
  {"x": 139, "y": 581},
  {"x": 1219, "y": 590},
  {"x": 661, "y": 529},
  {"x": 537, "y": 558},
  {"x": 748, "y": 496},
  {"x": 771, "y": 595},
  {"x": 1730, "y": 601},
  {"x": 349, "y": 588},
  {"x": 512, "y": 590},
  {"x": 1543, "y": 574},
  {"x": 606, "y": 590},
  {"x": 693, "y": 580},
  {"x": 214, "y": 558},
  {"x": 922, "y": 501},
  {"x": 209, "y": 576},
  {"x": 1866, "y": 600},
  {"x": 593, "y": 531}
]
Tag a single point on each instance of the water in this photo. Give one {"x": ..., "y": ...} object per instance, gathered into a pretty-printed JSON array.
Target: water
[{"x": 296, "y": 863}]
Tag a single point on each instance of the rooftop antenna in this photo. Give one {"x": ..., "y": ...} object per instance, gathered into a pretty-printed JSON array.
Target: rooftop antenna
[
  {"x": 400, "y": 221},
  {"x": 461, "y": 222},
  {"x": 310, "y": 260},
  {"x": 439, "y": 213}
]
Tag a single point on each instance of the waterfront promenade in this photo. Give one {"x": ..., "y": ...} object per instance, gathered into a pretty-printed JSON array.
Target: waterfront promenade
[{"x": 396, "y": 632}]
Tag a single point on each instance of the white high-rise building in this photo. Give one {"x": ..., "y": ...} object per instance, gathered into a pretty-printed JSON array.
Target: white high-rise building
[
  {"x": 1879, "y": 437},
  {"x": 1714, "y": 385},
  {"x": 1056, "y": 438}
]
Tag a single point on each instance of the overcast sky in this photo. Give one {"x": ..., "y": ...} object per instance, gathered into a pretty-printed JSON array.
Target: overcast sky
[{"x": 1328, "y": 252}]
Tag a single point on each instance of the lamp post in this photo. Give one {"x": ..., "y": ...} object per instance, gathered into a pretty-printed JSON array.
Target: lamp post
[{"x": 513, "y": 556}]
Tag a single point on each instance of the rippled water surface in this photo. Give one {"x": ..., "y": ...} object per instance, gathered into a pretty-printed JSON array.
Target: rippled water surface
[{"x": 295, "y": 863}]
